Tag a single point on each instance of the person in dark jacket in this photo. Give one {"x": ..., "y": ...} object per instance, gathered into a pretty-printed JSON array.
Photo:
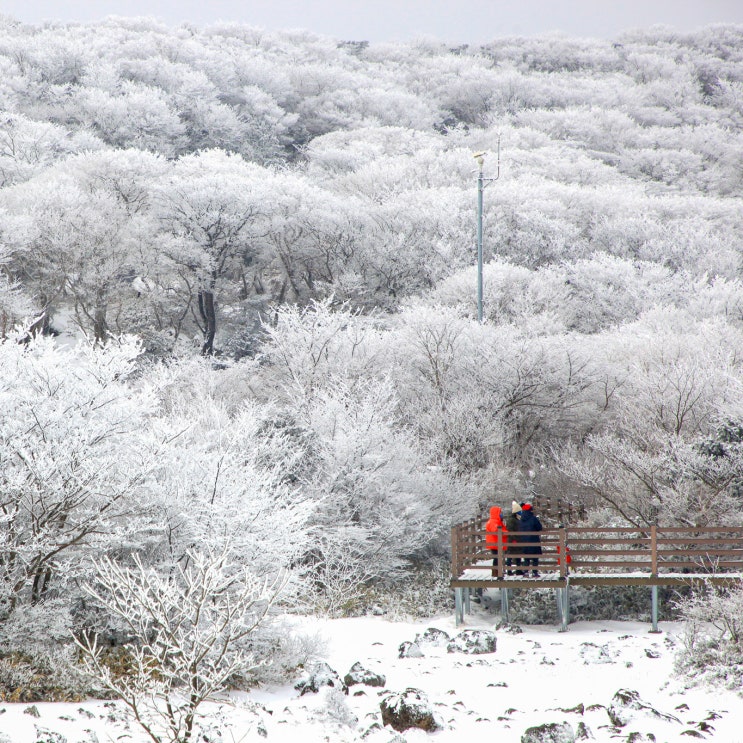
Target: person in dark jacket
[
  {"x": 513, "y": 525},
  {"x": 530, "y": 526}
]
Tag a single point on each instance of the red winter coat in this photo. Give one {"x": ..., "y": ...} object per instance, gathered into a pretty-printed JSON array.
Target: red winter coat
[
  {"x": 568, "y": 557},
  {"x": 497, "y": 534}
]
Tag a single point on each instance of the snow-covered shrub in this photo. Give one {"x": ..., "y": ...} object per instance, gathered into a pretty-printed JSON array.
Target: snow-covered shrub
[
  {"x": 38, "y": 659},
  {"x": 288, "y": 650},
  {"x": 337, "y": 708},
  {"x": 191, "y": 632},
  {"x": 712, "y": 648},
  {"x": 423, "y": 591}
]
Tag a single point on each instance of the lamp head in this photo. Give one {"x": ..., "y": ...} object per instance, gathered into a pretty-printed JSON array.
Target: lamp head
[{"x": 480, "y": 158}]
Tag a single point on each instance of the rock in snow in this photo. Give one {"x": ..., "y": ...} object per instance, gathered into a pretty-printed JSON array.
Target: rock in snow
[
  {"x": 551, "y": 732},
  {"x": 473, "y": 642},
  {"x": 360, "y": 675},
  {"x": 409, "y": 650},
  {"x": 409, "y": 709},
  {"x": 432, "y": 637},
  {"x": 319, "y": 674},
  {"x": 626, "y": 703}
]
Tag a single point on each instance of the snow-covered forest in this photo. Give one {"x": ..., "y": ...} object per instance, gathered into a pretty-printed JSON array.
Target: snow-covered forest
[{"x": 239, "y": 323}]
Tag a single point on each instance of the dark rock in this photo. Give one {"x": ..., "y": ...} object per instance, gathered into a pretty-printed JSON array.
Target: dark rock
[
  {"x": 550, "y": 732},
  {"x": 373, "y": 728},
  {"x": 582, "y": 732},
  {"x": 579, "y": 709},
  {"x": 33, "y": 710},
  {"x": 409, "y": 709},
  {"x": 317, "y": 676},
  {"x": 592, "y": 653},
  {"x": 473, "y": 642},
  {"x": 49, "y": 736},
  {"x": 512, "y": 629},
  {"x": 627, "y": 701},
  {"x": 360, "y": 675},
  {"x": 409, "y": 650},
  {"x": 693, "y": 733},
  {"x": 432, "y": 637}
]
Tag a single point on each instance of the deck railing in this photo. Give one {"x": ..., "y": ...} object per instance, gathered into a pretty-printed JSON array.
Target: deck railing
[{"x": 650, "y": 551}]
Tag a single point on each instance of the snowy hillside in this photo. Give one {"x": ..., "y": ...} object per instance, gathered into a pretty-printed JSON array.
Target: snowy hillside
[
  {"x": 242, "y": 372},
  {"x": 586, "y": 677}
]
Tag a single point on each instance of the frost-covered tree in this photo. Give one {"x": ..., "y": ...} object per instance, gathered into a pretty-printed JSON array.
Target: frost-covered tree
[
  {"x": 75, "y": 463},
  {"x": 208, "y": 207},
  {"x": 230, "y": 471},
  {"x": 79, "y": 233}
]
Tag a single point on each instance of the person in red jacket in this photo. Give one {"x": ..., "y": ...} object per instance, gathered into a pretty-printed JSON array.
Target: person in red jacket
[{"x": 495, "y": 533}]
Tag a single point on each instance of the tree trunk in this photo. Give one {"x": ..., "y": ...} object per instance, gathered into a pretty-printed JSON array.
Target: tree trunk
[
  {"x": 100, "y": 326},
  {"x": 206, "y": 310}
]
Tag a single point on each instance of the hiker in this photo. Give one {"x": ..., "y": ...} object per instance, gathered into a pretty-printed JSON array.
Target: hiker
[
  {"x": 495, "y": 537},
  {"x": 529, "y": 528},
  {"x": 512, "y": 527}
]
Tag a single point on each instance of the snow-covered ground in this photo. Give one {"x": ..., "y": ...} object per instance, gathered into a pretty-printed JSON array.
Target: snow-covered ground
[{"x": 539, "y": 675}]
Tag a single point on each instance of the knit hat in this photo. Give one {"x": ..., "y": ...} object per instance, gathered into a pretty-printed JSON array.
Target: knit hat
[
  {"x": 515, "y": 507},
  {"x": 526, "y": 507}
]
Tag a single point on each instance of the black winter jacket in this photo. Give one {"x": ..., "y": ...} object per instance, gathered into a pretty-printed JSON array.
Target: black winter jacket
[{"x": 531, "y": 525}]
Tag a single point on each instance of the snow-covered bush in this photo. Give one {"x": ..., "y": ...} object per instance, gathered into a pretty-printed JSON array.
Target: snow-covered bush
[
  {"x": 712, "y": 648},
  {"x": 190, "y": 633},
  {"x": 74, "y": 460},
  {"x": 38, "y": 658}
]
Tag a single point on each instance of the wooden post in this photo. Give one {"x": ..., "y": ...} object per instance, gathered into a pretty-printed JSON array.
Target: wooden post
[
  {"x": 654, "y": 550},
  {"x": 562, "y": 557},
  {"x": 504, "y": 605},
  {"x": 454, "y": 552},
  {"x": 501, "y": 553}
]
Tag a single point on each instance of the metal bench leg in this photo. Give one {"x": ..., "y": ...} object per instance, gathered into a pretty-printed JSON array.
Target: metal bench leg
[
  {"x": 458, "y": 606},
  {"x": 654, "y": 609},
  {"x": 563, "y": 607}
]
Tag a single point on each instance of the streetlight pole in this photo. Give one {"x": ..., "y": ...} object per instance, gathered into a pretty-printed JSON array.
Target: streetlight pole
[
  {"x": 480, "y": 158},
  {"x": 480, "y": 188}
]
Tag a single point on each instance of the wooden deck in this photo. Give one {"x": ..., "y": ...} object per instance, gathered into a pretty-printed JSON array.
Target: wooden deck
[{"x": 588, "y": 556}]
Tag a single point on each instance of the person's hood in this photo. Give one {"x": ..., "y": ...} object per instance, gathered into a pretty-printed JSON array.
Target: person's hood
[{"x": 495, "y": 512}]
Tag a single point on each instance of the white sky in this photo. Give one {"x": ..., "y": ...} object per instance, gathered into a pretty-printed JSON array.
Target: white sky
[{"x": 470, "y": 21}]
